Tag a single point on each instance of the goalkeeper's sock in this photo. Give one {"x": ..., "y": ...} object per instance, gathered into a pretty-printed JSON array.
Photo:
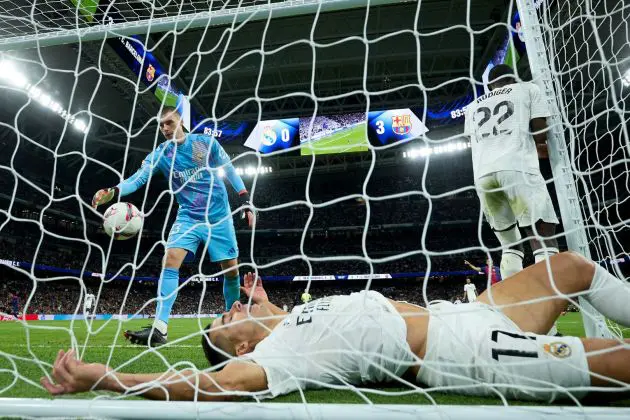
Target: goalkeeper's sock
[
  {"x": 543, "y": 254},
  {"x": 610, "y": 296},
  {"x": 169, "y": 280},
  {"x": 231, "y": 290}
]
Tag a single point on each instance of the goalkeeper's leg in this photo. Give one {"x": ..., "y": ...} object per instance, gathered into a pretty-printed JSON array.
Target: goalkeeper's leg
[
  {"x": 223, "y": 248},
  {"x": 167, "y": 293}
]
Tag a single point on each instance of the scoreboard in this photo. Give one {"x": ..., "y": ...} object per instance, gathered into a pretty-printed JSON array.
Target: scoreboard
[{"x": 341, "y": 133}]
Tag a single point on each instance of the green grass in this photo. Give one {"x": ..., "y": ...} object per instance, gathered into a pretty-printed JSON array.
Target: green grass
[
  {"x": 352, "y": 140},
  {"x": 22, "y": 365}
]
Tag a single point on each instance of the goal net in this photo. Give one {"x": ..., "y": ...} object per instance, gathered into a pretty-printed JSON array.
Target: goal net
[{"x": 344, "y": 118}]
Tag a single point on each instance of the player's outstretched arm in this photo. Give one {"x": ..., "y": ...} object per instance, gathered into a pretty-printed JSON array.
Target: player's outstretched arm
[
  {"x": 128, "y": 186},
  {"x": 71, "y": 376},
  {"x": 474, "y": 267}
]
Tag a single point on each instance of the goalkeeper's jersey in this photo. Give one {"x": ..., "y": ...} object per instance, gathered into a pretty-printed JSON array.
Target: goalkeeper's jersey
[
  {"x": 192, "y": 169},
  {"x": 498, "y": 126},
  {"x": 354, "y": 339}
]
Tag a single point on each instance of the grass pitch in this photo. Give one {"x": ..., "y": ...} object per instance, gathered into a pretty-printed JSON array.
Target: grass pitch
[
  {"x": 346, "y": 141},
  {"x": 25, "y": 352}
]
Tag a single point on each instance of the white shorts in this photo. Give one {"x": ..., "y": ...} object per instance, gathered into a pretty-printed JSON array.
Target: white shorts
[
  {"x": 473, "y": 349},
  {"x": 519, "y": 198}
]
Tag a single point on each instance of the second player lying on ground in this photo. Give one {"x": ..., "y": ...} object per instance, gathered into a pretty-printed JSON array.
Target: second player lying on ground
[{"x": 494, "y": 345}]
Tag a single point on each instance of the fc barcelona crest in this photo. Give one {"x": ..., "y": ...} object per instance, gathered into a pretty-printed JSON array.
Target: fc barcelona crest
[
  {"x": 401, "y": 124},
  {"x": 150, "y": 73}
]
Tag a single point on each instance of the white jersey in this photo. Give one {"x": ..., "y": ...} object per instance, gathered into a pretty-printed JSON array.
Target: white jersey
[
  {"x": 89, "y": 301},
  {"x": 457, "y": 302},
  {"x": 471, "y": 292},
  {"x": 356, "y": 339},
  {"x": 498, "y": 126}
]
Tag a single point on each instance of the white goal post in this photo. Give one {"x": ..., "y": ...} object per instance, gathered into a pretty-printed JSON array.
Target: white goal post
[
  {"x": 562, "y": 167},
  {"x": 543, "y": 52}
]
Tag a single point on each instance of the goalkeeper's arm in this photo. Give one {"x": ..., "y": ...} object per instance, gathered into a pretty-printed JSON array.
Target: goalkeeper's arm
[
  {"x": 222, "y": 159},
  {"x": 73, "y": 376},
  {"x": 126, "y": 187}
]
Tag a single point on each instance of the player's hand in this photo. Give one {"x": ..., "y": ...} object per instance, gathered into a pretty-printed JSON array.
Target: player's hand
[
  {"x": 466, "y": 262},
  {"x": 254, "y": 291},
  {"x": 72, "y": 376},
  {"x": 248, "y": 216},
  {"x": 103, "y": 196}
]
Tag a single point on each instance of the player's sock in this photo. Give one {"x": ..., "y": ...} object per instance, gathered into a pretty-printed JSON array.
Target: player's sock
[
  {"x": 511, "y": 262},
  {"x": 610, "y": 296},
  {"x": 544, "y": 253},
  {"x": 553, "y": 330},
  {"x": 231, "y": 290},
  {"x": 161, "y": 326},
  {"x": 169, "y": 280}
]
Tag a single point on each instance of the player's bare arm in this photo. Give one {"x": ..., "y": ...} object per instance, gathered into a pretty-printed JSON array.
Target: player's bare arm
[
  {"x": 71, "y": 376},
  {"x": 538, "y": 127},
  {"x": 473, "y": 267}
]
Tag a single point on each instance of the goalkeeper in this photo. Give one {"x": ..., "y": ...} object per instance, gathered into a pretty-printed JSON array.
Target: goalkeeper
[
  {"x": 191, "y": 162},
  {"x": 493, "y": 346}
]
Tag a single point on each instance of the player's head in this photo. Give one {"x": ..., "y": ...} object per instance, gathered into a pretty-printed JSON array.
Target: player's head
[
  {"x": 171, "y": 123},
  {"x": 489, "y": 262},
  {"x": 467, "y": 280},
  {"x": 501, "y": 75},
  {"x": 236, "y": 332}
]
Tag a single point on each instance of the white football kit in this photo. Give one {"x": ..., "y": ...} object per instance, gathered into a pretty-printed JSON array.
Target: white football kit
[
  {"x": 472, "y": 349},
  {"x": 471, "y": 292},
  {"x": 505, "y": 159},
  {"x": 89, "y": 301},
  {"x": 358, "y": 338}
]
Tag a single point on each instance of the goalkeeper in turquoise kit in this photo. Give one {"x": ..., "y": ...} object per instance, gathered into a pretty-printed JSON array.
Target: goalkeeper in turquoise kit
[{"x": 191, "y": 163}]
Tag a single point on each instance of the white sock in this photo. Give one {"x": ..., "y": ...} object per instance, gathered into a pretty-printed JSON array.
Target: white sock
[
  {"x": 161, "y": 326},
  {"x": 553, "y": 330},
  {"x": 511, "y": 262},
  {"x": 610, "y": 296},
  {"x": 544, "y": 253}
]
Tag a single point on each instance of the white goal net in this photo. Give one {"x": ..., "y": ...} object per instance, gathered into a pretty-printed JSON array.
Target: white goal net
[{"x": 344, "y": 119}]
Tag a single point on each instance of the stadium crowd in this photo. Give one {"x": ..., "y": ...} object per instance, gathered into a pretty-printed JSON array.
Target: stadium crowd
[{"x": 44, "y": 296}]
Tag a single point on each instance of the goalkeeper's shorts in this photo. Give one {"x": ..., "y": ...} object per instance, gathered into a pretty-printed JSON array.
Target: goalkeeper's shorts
[
  {"x": 188, "y": 234},
  {"x": 473, "y": 349},
  {"x": 511, "y": 197}
]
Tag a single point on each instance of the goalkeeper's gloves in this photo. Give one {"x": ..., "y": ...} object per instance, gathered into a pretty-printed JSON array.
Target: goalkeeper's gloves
[
  {"x": 104, "y": 196},
  {"x": 248, "y": 215}
]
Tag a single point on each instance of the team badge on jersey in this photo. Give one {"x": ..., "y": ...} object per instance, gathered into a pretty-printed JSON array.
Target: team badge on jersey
[
  {"x": 401, "y": 124},
  {"x": 150, "y": 73},
  {"x": 558, "y": 349},
  {"x": 199, "y": 151}
]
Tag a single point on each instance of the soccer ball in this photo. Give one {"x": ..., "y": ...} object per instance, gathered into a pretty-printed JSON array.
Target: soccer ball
[{"x": 122, "y": 221}]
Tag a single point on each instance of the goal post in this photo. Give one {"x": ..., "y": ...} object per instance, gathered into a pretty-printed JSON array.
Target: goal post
[
  {"x": 227, "y": 15},
  {"x": 559, "y": 151},
  {"x": 128, "y": 306}
]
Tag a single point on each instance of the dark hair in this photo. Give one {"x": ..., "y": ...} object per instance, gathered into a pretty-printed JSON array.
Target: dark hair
[
  {"x": 501, "y": 74},
  {"x": 214, "y": 355}
]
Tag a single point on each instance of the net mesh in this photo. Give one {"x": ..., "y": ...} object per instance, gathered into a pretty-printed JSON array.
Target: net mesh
[{"x": 311, "y": 224}]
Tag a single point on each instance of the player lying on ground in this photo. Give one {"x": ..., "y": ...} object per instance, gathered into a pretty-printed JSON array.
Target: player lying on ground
[
  {"x": 364, "y": 338},
  {"x": 507, "y": 127},
  {"x": 191, "y": 163}
]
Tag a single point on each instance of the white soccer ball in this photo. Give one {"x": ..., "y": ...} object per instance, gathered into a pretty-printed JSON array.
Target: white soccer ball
[{"x": 122, "y": 221}]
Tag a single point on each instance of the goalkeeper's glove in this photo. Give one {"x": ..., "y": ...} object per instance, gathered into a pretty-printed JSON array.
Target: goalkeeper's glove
[
  {"x": 248, "y": 215},
  {"x": 104, "y": 196}
]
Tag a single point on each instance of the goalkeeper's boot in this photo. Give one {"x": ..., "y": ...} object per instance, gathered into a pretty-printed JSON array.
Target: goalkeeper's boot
[{"x": 148, "y": 336}]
